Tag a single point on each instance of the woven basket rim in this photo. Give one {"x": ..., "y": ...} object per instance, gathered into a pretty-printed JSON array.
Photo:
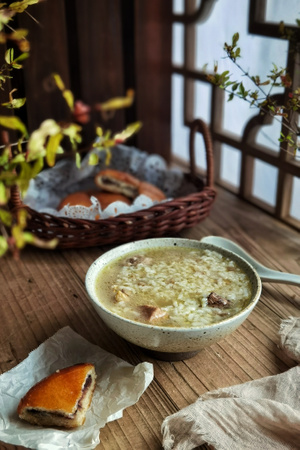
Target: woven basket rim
[
  {"x": 162, "y": 218},
  {"x": 193, "y": 197}
]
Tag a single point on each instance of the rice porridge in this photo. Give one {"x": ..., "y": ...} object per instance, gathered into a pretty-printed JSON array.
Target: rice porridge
[{"x": 174, "y": 287}]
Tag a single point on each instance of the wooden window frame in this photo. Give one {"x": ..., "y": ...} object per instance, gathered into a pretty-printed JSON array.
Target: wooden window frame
[{"x": 287, "y": 166}]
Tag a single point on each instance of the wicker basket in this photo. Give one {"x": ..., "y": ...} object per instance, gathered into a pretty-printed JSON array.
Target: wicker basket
[{"x": 162, "y": 219}]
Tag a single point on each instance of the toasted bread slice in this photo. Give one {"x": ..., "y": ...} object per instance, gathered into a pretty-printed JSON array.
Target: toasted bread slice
[{"x": 61, "y": 399}]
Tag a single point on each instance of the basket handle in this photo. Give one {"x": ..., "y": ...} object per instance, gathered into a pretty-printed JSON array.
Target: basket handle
[
  {"x": 198, "y": 125},
  {"x": 15, "y": 197}
]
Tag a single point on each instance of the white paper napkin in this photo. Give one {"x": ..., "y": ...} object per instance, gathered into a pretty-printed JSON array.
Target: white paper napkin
[{"x": 119, "y": 385}]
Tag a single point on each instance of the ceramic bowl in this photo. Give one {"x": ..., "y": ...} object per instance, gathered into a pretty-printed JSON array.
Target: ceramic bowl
[{"x": 165, "y": 342}]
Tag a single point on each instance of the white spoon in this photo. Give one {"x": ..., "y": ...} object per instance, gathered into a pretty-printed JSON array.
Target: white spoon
[{"x": 266, "y": 274}]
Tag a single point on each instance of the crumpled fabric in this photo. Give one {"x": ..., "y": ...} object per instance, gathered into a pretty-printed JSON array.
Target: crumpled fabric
[{"x": 263, "y": 414}]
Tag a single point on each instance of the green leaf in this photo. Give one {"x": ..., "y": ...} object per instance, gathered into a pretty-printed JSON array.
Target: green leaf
[
  {"x": 107, "y": 134},
  {"x": 78, "y": 160},
  {"x": 28, "y": 238},
  {"x": 36, "y": 144},
  {"x": 13, "y": 123},
  {"x": 108, "y": 156},
  {"x": 59, "y": 82},
  {"x": 3, "y": 246},
  {"x": 17, "y": 35},
  {"x": 8, "y": 176},
  {"x": 15, "y": 103},
  {"x": 17, "y": 233},
  {"x": 50, "y": 245},
  {"x": 3, "y": 196},
  {"x": 5, "y": 17},
  {"x": 24, "y": 177},
  {"x": 51, "y": 148},
  {"x": 9, "y": 56},
  {"x": 18, "y": 158},
  {"x": 93, "y": 159},
  {"x": 5, "y": 217},
  {"x": 99, "y": 131},
  {"x": 117, "y": 102},
  {"x": 73, "y": 133},
  {"x": 129, "y": 131},
  {"x": 37, "y": 167},
  {"x": 224, "y": 74},
  {"x": 235, "y": 39},
  {"x": 22, "y": 57},
  {"x": 22, "y": 218},
  {"x": 68, "y": 96},
  {"x": 16, "y": 66},
  {"x": 20, "y": 7},
  {"x": 4, "y": 158}
]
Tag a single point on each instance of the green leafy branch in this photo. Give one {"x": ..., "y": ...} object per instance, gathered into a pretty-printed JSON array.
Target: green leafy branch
[
  {"x": 259, "y": 96},
  {"x": 23, "y": 160}
]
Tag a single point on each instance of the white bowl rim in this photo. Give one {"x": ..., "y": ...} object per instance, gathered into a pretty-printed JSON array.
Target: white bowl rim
[{"x": 250, "y": 306}]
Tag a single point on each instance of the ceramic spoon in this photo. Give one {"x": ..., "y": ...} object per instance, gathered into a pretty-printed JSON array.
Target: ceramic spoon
[{"x": 264, "y": 272}]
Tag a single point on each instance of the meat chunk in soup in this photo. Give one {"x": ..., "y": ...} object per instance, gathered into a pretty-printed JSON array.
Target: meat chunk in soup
[
  {"x": 152, "y": 313},
  {"x": 122, "y": 296},
  {"x": 138, "y": 259},
  {"x": 216, "y": 301}
]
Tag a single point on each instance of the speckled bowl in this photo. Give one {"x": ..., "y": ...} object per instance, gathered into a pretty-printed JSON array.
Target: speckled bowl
[{"x": 167, "y": 343}]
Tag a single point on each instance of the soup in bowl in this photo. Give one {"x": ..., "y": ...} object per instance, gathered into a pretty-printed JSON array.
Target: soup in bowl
[{"x": 172, "y": 296}]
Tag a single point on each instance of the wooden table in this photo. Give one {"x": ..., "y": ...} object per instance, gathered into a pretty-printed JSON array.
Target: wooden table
[{"x": 45, "y": 291}]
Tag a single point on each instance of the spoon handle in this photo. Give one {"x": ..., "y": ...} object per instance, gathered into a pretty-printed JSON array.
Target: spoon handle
[
  {"x": 266, "y": 274},
  {"x": 275, "y": 276}
]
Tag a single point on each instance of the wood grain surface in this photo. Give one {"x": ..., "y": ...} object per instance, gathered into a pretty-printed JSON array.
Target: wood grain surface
[{"x": 45, "y": 291}]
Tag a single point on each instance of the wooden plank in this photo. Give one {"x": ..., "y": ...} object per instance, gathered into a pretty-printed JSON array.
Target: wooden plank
[
  {"x": 189, "y": 64},
  {"x": 153, "y": 32},
  {"x": 48, "y": 55},
  {"x": 100, "y": 58},
  {"x": 83, "y": 43}
]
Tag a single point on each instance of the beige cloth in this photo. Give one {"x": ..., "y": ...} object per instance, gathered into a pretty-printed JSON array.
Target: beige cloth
[{"x": 258, "y": 415}]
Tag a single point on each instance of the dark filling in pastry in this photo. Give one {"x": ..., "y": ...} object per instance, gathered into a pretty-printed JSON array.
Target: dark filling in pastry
[
  {"x": 120, "y": 184},
  {"x": 40, "y": 412}
]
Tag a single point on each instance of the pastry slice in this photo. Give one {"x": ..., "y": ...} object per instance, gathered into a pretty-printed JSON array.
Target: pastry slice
[
  {"x": 118, "y": 182},
  {"x": 61, "y": 399}
]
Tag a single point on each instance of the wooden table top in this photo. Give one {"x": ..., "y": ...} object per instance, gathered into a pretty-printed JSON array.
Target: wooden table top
[{"x": 45, "y": 291}]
